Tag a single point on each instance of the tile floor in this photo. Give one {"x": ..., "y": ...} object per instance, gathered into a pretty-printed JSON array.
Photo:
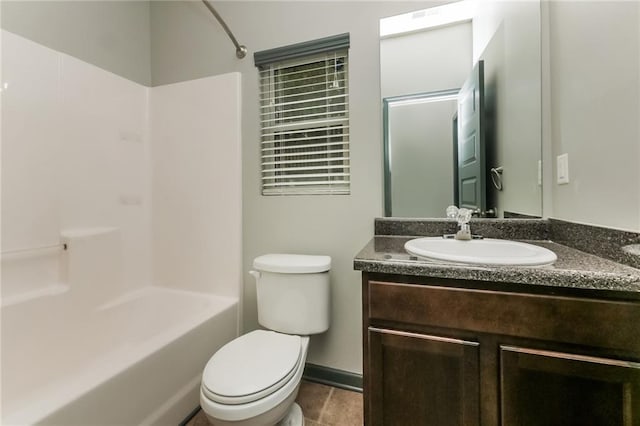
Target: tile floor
[{"x": 322, "y": 405}]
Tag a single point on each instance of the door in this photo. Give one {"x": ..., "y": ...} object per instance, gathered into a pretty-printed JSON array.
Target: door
[
  {"x": 541, "y": 388},
  {"x": 472, "y": 189},
  {"x": 422, "y": 380}
]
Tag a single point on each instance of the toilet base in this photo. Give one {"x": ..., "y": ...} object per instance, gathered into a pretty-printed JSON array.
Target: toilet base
[
  {"x": 293, "y": 418},
  {"x": 287, "y": 409}
]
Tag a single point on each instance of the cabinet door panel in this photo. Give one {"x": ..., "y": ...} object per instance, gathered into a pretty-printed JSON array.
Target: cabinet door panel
[
  {"x": 422, "y": 380},
  {"x": 541, "y": 388}
]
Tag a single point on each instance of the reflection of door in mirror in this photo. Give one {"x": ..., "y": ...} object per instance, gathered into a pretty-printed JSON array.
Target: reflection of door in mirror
[
  {"x": 434, "y": 49},
  {"x": 471, "y": 158},
  {"x": 419, "y": 109}
]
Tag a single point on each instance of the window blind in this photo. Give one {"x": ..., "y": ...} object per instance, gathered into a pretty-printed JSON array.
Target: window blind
[{"x": 304, "y": 116}]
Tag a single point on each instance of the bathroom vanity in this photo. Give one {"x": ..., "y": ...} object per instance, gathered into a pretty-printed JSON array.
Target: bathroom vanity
[{"x": 472, "y": 345}]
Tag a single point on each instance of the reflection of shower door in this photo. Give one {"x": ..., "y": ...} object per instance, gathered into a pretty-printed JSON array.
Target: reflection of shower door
[{"x": 472, "y": 190}]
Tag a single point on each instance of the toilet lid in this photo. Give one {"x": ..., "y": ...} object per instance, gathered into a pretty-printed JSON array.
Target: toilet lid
[
  {"x": 251, "y": 367},
  {"x": 292, "y": 263}
]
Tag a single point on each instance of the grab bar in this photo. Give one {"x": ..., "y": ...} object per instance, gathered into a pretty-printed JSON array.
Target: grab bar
[{"x": 62, "y": 246}]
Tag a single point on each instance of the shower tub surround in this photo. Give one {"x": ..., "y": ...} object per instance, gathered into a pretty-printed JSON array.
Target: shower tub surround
[
  {"x": 86, "y": 349},
  {"x": 131, "y": 368},
  {"x": 115, "y": 198},
  {"x": 91, "y": 351}
]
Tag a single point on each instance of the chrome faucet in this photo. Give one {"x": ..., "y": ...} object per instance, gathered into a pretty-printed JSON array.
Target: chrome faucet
[{"x": 463, "y": 216}]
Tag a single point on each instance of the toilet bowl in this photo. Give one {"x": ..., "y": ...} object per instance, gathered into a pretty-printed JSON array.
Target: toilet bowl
[
  {"x": 239, "y": 390},
  {"x": 254, "y": 379}
]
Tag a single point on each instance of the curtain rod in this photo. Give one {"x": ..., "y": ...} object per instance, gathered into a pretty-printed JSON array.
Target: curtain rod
[{"x": 241, "y": 51}]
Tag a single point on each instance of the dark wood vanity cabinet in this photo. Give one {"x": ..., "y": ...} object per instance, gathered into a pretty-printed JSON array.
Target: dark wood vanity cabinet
[
  {"x": 558, "y": 388},
  {"x": 440, "y": 376},
  {"x": 438, "y": 352}
]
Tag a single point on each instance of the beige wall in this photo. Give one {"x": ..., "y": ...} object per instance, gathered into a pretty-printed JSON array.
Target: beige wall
[
  {"x": 593, "y": 99},
  {"x": 188, "y": 43},
  {"x": 114, "y": 35}
]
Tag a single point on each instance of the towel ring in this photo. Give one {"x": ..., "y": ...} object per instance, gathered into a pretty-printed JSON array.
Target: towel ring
[{"x": 496, "y": 177}]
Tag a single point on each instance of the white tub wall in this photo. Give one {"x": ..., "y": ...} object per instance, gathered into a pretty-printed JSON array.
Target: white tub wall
[
  {"x": 197, "y": 185},
  {"x": 94, "y": 265},
  {"x": 75, "y": 154},
  {"x": 105, "y": 172},
  {"x": 30, "y": 143},
  {"x": 30, "y": 116},
  {"x": 25, "y": 275}
]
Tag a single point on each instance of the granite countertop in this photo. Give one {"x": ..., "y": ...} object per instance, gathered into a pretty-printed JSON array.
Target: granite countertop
[{"x": 573, "y": 269}]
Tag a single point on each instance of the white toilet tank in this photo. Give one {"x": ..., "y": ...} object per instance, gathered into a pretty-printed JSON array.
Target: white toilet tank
[{"x": 293, "y": 292}]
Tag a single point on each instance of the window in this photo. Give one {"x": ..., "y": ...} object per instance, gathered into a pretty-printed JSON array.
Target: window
[{"x": 304, "y": 116}]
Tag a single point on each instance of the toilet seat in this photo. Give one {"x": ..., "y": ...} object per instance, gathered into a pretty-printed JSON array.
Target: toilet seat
[
  {"x": 269, "y": 410},
  {"x": 251, "y": 367}
]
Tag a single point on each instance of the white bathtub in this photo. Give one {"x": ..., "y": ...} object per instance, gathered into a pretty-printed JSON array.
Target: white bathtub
[{"x": 134, "y": 360}]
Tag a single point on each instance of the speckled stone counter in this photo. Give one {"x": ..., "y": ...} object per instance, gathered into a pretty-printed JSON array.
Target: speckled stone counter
[
  {"x": 574, "y": 269},
  {"x": 509, "y": 229},
  {"x": 614, "y": 244}
]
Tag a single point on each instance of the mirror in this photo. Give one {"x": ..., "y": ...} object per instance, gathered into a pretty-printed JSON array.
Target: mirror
[{"x": 425, "y": 58}]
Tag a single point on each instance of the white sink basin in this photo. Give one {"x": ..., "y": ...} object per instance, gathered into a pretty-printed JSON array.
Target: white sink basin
[{"x": 480, "y": 252}]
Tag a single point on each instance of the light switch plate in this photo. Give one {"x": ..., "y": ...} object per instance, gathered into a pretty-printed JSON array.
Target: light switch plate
[{"x": 562, "y": 163}]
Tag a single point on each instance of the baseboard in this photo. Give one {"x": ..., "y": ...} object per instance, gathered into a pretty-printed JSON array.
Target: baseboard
[
  {"x": 333, "y": 377},
  {"x": 191, "y": 415}
]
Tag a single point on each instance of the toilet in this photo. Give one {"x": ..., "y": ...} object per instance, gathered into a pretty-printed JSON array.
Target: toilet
[{"x": 254, "y": 379}]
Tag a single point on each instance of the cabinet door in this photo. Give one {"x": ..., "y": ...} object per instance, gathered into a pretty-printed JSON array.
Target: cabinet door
[
  {"x": 423, "y": 380},
  {"x": 553, "y": 388}
]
